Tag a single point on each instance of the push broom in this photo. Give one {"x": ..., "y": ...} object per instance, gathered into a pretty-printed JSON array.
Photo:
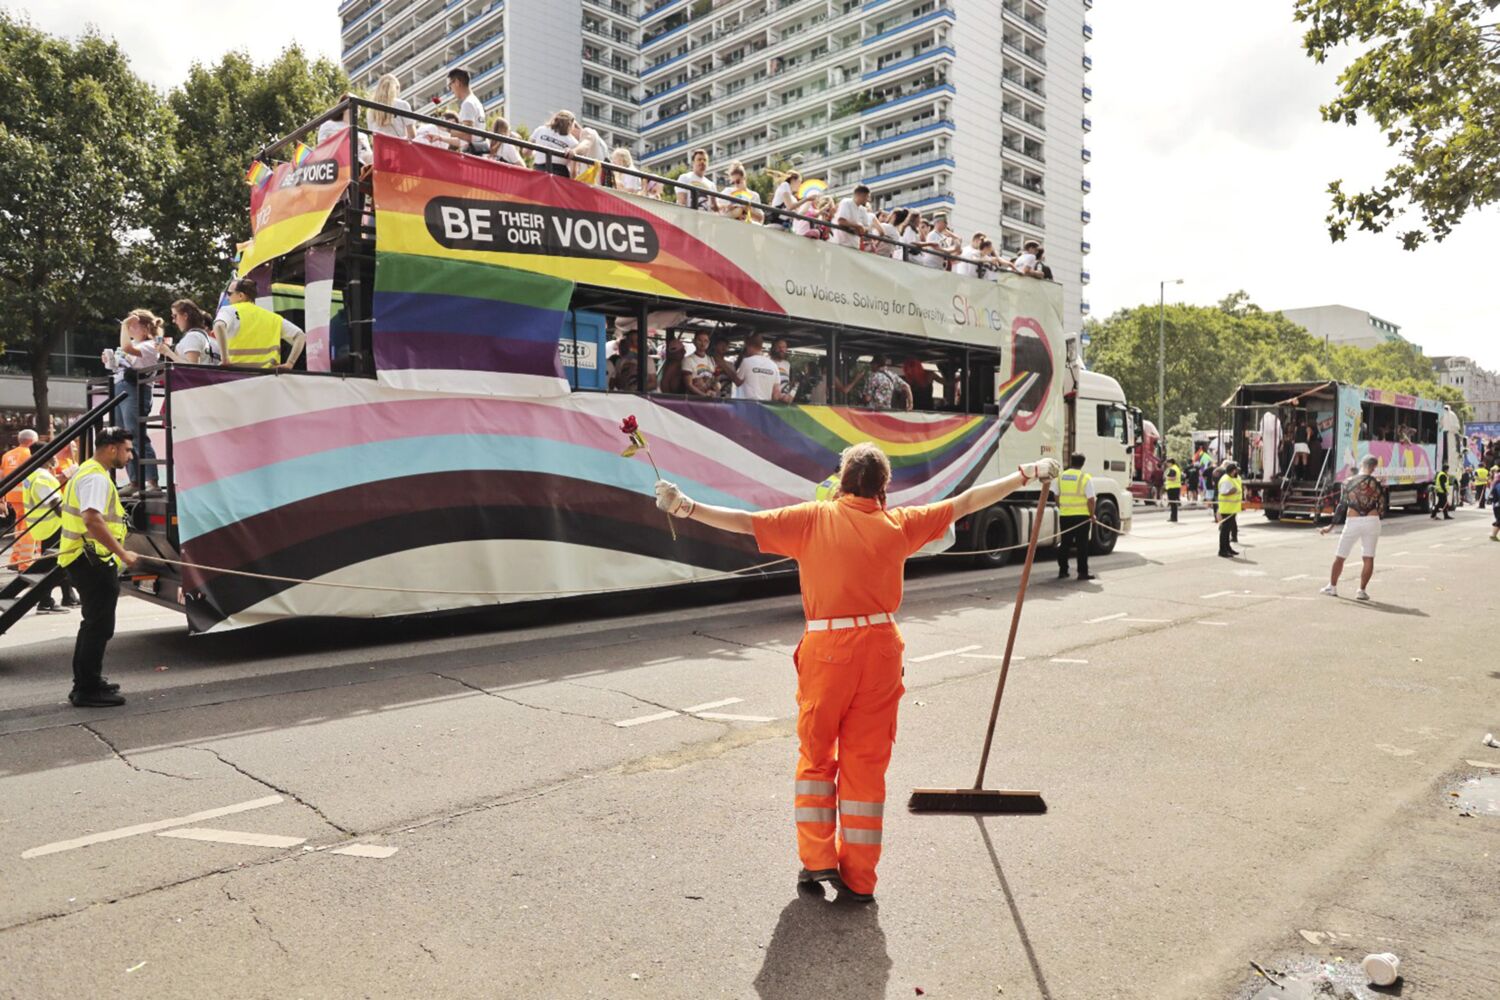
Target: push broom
[{"x": 980, "y": 800}]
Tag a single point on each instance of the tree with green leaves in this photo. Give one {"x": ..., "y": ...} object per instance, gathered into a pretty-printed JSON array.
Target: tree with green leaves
[
  {"x": 1179, "y": 438},
  {"x": 84, "y": 144},
  {"x": 224, "y": 114},
  {"x": 1429, "y": 77}
]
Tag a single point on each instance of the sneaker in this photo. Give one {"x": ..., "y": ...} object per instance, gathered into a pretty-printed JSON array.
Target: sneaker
[
  {"x": 72, "y": 602},
  {"x": 847, "y": 894},
  {"x": 50, "y": 609},
  {"x": 1361, "y": 596},
  {"x": 813, "y": 879},
  {"x": 1329, "y": 589}
]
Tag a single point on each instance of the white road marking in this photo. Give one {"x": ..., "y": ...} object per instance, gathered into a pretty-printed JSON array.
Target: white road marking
[
  {"x": 1299, "y": 576},
  {"x": 233, "y": 837},
  {"x": 1301, "y": 598},
  {"x": 1398, "y": 555},
  {"x": 1217, "y": 624},
  {"x": 627, "y": 723},
  {"x": 1148, "y": 621},
  {"x": 989, "y": 656},
  {"x": 365, "y": 851},
  {"x": 946, "y": 652},
  {"x": 1435, "y": 545},
  {"x": 1217, "y": 593},
  {"x": 712, "y": 704},
  {"x": 724, "y": 717},
  {"x": 161, "y": 824},
  {"x": 1058, "y": 659},
  {"x": 1106, "y": 618}
]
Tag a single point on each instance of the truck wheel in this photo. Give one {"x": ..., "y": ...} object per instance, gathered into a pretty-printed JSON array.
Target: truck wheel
[
  {"x": 1104, "y": 539},
  {"x": 1272, "y": 514},
  {"x": 996, "y": 530}
]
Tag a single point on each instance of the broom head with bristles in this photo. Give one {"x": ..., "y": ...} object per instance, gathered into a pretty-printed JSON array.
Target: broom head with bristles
[{"x": 977, "y": 801}]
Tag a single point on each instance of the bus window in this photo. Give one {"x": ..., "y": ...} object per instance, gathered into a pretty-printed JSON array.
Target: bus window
[
  {"x": 1427, "y": 431},
  {"x": 1111, "y": 422}
]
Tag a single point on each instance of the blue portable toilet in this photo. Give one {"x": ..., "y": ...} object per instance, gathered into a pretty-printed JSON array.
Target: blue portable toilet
[{"x": 582, "y": 350}]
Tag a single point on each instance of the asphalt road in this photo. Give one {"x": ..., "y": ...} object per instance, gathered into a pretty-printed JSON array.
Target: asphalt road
[{"x": 595, "y": 801}]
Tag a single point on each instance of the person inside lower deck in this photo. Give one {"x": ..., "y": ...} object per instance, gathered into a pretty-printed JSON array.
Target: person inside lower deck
[{"x": 851, "y": 552}]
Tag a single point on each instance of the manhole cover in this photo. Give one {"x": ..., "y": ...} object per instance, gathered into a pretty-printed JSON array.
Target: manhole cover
[{"x": 1478, "y": 796}]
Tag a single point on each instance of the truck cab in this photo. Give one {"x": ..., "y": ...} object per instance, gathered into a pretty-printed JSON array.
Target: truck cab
[{"x": 1100, "y": 426}]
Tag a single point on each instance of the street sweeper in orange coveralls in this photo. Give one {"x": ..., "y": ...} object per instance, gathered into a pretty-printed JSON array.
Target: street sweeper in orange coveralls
[{"x": 851, "y": 552}]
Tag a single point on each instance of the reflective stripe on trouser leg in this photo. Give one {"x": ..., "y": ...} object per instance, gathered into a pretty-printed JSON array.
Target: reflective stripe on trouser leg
[{"x": 866, "y": 736}]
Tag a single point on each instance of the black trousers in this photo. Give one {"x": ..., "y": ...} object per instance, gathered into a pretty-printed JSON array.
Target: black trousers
[
  {"x": 98, "y": 584},
  {"x": 1174, "y": 497},
  {"x": 1076, "y": 534},
  {"x": 1439, "y": 504},
  {"x": 46, "y": 559},
  {"x": 1227, "y": 526}
]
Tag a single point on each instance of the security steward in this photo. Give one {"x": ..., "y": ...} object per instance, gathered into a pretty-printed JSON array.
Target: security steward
[
  {"x": 1440, "y": 488},
  {"x": 1482, "y": 485},
  {"x": 93, "y": 553},
  {"x": 851, "y": 553},
  {"x": 42, "y": 495},
  {"x": 250, "y": 335},
  {"x": 828, "y": 488},
  {"x": 1075, "y": 511},
  {"x": 1173, "y": 480},
  {"x": 1231, "y": 496}
]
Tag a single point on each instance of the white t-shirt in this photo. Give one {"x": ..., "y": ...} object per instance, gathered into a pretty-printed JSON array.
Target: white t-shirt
[
  {"x": 924, "y": 257},
  {"x": 631, "y": 183},
  {"x": 761, "y": 378},
  {"x": 784, "y": 368},
  {"x": 784, "y": 197},
  {"x": 507, "y": 153},
  {"x": 859, "y": 215},
  {"x": 544, "y": 136},
  {"x": 199, "y": 341},
  {"x": 891, "y": 233},
  {"x": 231, "y": 320},
  {"x": 397, "y": 126},
  {"x": 329, "y": 129},
  {"x": 471, "y": 112},
  {"x": 700, "y": 370},
  {"x": 970, "y": 266},
  {"x": 1025, "y": 261},
  {"x": 93, "y": 493},
  {"x": 701, "y": 182}
]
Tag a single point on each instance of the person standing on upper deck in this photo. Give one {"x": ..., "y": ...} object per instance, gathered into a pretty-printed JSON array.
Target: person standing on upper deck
[
  {"x": 470, "y": 111},
  {"x": 854, "y": 220},
  {"x": 694, "y": 182},
  {"x": 558, "y": 135},
  {"x": 250, "y": 335}
]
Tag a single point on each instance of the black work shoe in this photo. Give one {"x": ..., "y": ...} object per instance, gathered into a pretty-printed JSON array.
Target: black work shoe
[
  {"x": 848, "y": 895},
  {"x": 813, "y": 880},
  {"x": 1087, "y": 576},
  {"x": 50, "y": 609},
  {"x": 98, "y": 698},
  {"x": 106, "y": 685},
  {"x": 72, "y": 602},
  {"x": 1062, "y": 574}
]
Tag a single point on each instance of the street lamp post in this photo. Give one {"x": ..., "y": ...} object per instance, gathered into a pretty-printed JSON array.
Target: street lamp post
[{"x": 1161, "y": 358}]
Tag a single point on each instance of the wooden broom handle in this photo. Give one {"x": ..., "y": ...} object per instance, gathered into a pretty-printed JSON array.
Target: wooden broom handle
[{"x": 1015, "y": 621}]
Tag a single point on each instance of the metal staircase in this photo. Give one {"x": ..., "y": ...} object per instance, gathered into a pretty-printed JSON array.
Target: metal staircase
[
  {"x": 21, "y": 592},
  {"x": 1306, "y": 502}
]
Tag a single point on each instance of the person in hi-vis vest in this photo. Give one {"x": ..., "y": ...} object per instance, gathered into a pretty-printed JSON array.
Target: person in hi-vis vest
[
  {"x": 1172, "y": 478},
  {"x": 1075, "y": 515},
  {"x": 1231, "y": 494},
  {"x": 250, "y": 336},
  {"x": 1441, "y": 486}
]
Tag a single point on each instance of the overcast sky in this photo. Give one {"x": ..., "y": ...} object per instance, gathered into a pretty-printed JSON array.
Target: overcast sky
[{"x": 1210, "y": 160}]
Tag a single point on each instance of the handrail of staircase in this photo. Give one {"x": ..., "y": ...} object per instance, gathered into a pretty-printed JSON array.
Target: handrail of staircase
[{"x": 69, "y": 434}]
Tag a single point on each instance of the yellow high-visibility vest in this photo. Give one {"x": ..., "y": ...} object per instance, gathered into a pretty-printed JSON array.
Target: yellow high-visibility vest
[
  {"x": 44, "y": 521},
  {"x": 1071, "y": 498},
  {"x": 1230, "y": 503},
  {"x": 1173, "y": 477},
  {"x": 74, "y": 531},
  {"x": 1481, "y": 475},
  {"x": 825, "y": 488},
  {"x": 257, "y": 343}
]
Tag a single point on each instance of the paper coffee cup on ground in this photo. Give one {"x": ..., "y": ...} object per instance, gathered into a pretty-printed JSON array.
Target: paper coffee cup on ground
[{"x": 1382, "y": 969}]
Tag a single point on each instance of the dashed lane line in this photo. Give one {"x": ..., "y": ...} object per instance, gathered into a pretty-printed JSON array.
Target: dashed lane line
[
  {"x": 137, "y": 830},
  {"x": 1059, "y": 659},
  {"x": 1147, "y": 621},
  {"x": 365, "y": 851},
  {"x": 1215, "y": 624},
  {"x": 725, "y": 717},
  {"x": 1106, "y": 618},
  {"x": 989, "y": 656},
  {"x": 239, "y": 837},
  {"x": 947, "y": 652},
  {"x": 721, "y": 703},
  {"x": 1299, "y": 576},
  {"x": 642, "y": 720}
]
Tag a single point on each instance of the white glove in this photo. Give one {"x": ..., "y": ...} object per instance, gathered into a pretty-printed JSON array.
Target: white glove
[
  {"x": 672, "y": 500},
  {"x": 1043, "y": 468}
]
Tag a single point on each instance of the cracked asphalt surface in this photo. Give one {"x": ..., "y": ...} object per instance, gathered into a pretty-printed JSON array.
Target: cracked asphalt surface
[{"x": 1236, "y": 769}]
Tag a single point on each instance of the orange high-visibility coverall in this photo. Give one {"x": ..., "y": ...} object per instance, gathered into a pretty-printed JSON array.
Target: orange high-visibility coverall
[
  {"x": 21, "y": 553},
  {"x": 852, "y": 555}
]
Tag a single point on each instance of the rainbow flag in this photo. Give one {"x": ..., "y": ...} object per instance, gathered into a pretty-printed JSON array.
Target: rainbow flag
[
  {"x": 301, "y": 152},
  {"x": 258, "y": 174},
  {"x": 444, "y": 325}
]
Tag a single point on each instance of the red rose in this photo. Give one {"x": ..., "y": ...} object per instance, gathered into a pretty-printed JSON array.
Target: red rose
[{"x": 628, "y": 426}]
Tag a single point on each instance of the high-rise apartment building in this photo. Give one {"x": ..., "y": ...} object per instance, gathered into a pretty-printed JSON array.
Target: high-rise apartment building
[{"x": 976, "y": 109}]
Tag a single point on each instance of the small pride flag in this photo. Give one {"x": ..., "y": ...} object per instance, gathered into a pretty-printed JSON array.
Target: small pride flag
[
  {"x": 300, "y": 153},
  {"x": 258, "y": 174}
]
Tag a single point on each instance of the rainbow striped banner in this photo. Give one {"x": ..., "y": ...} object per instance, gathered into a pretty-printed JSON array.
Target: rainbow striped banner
[{"x": 292, "y": 205}]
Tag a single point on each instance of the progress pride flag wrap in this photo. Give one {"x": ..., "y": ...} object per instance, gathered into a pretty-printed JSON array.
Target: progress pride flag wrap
[{"x": 292, "y": 207}]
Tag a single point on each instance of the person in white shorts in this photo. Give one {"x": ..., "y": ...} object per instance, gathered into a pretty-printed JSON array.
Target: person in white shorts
[{"x": 1359, "y": 509}]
